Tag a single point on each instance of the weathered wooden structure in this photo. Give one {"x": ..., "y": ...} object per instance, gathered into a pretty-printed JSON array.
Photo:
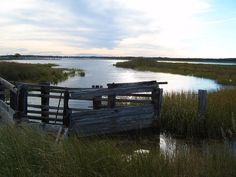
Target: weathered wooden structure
[{"x": 85, "y": 111}]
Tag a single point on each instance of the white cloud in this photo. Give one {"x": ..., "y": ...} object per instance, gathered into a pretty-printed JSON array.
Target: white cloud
[{"x": 112, "y": 27}]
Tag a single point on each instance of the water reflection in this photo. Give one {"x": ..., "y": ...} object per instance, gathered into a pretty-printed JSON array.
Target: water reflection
[{"x": 101, "y": 72}]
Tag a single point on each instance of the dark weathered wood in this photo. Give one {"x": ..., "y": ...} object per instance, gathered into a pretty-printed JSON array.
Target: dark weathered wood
[
  {"x": 44, "y": 106},
  {"x": 45, "y": 91},
  {"x": 2, "y": 92},
  {"x": 21, "y": 108},
  {"x": 32, "y": 117},
  {"x": 157, "y": 94},
  {"x": 66, "y": 112},
  {"x": 13, "y": 100},
  {"x": 134, "y": 84},
  {"x": 202, "y": 103},
  {"x": 111, "y": 98},
  {"x": 44, "y": 112},
  {"x": 84, "y": 94},
  {"x": 102, "y": 121},
  {"x": 107, "y": 112},
  {"x": 8, "y": 85},
  {"x": 97, "y": 103},
  {"x": 44, "y": 96}
]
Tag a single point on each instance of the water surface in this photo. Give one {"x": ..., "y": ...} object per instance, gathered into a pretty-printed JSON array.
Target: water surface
[{"x": 101, "y": 72}]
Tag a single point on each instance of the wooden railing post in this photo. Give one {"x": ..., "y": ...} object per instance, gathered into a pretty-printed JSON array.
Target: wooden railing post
[
  {"x": 66, "y": 110},
  {"x": 21, "y": 106},
  {"x": 13, "y": 100},
  {"x": 2, "y": 92},
  {"x": 202, "y": 103},
  {"x": 111, "y": 98},
  {"x": 97, "y": 103},
  {"x": 157, "y": 95},
  {"x": 45, "y": 91}
]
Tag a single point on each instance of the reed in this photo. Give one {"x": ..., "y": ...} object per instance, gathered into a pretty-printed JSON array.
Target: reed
[
  {"x": 25, "y": 152},
  {"x": 180, "y": 116},
  {"x": 223, "y": 74},
  {"x": 36, "y": 72}
]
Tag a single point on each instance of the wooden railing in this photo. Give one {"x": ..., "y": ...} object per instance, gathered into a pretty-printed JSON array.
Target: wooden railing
[
  {"x": 120, "y": 107},
  {"x": 89, "y": 111}
]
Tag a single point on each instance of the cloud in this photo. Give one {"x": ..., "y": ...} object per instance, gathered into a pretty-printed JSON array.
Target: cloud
[{"x": 106, "y": 27}]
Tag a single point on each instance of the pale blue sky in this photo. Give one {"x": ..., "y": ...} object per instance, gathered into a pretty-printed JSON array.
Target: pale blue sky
[{"x": 183, "y": 28}]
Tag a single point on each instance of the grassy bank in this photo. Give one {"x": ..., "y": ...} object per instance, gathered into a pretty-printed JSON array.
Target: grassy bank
[
  {"x": 35, "y": 72},
  {"x": 180, "y": 117},
  {"x": 221, "y": 73},
  {"x": 25, "y": 153}
]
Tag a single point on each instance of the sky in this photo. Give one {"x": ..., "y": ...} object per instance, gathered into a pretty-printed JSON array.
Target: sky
[{"x": 150, "y": 28}]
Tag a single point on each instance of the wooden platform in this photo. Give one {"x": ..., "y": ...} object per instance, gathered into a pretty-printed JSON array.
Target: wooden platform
[{"x": 118, "y": 107}]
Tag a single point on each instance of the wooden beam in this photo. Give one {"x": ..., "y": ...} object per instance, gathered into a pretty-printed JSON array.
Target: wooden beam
[
  {"x": 45, "y": 91},
  {"x": 84, "y": 94}
]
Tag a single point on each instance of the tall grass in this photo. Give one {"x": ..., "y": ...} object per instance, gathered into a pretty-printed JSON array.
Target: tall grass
[
  {"x": 179, "y": 114},
  {"x": 35, "y": 72},
  {"x": 223, "y": 74},
  {"x": 25, "y": 153}
]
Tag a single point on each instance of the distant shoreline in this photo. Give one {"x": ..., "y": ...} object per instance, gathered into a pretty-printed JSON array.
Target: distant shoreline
[{"x": 49, "y": 57}]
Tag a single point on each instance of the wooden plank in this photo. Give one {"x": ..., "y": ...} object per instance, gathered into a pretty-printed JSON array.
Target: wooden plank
[
  {"x": 44, "y": 96},
  {"x": 111, "y": 121},
  {"x": 2, "y": 92},
  {"x": 43, "y": 112},
  {"x": 97, "y": 100},
  {"x": 103, "y": 92},
  {"x": 13, "y": 100},
  {"x": 109, "y": 112},
  {"x": 21, "y": 108},
  {"x": 45, "y": 101},
  {"x": 134, "y": 84},
  {"x": 66, "y": 111},
  {"x": 8, "y": 85},
  {"x": 111, "y": 98},
  {"x": 157, "y": 95},
  {"x": 42, "y": 118},
  {"x": 44, "y": 106}
]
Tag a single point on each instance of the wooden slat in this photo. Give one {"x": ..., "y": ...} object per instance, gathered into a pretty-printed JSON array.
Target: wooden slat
[
  {"x": 43, "y": 106},
  {"x": 133, "y": 101},
  {"x": 44, "y": 96},
  {"x": 42, "y": 118},
  {"x": 109, "y": 112},
  {"x": 111, "y": 121},
  {"x": 114, "y": 91},
  {"x": 8, "y": 85},
  {"x": 134, "y": 84},
  {"x": 44, "y": 112}
]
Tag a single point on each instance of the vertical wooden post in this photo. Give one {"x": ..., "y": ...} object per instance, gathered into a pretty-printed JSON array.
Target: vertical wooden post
[
  {"x": 202, "y": 103},
  {"x": 157, "y": 95},
  {"x": 97, "y": 103},
  {"x": 45, "y": 91},
  {"x": 2, "y": 92},
  {"x": 111, "y": 98},
  {"x": 13, "y": 100},
  {"x": 66, "y": 110},
  {"x": 21, "y": 107}
]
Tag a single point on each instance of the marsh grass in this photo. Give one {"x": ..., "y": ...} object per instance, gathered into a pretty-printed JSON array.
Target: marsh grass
[
  {"x": 35, "y": 72},
  {"x": 223, "y": 74},
  {"x": 180, "y": 117},
  {"x": 25, "y": 152}
]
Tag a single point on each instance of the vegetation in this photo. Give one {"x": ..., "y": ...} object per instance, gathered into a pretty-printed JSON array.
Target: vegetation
[
  {"x": 35, "y": 72},
  {"x": 25, "y": 152},
  {"x": 223, "y": 74},
  {"x": 179, "y": 115}
]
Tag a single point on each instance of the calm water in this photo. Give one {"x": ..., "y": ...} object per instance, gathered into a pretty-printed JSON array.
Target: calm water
[{"x": 101, "y": 72}]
